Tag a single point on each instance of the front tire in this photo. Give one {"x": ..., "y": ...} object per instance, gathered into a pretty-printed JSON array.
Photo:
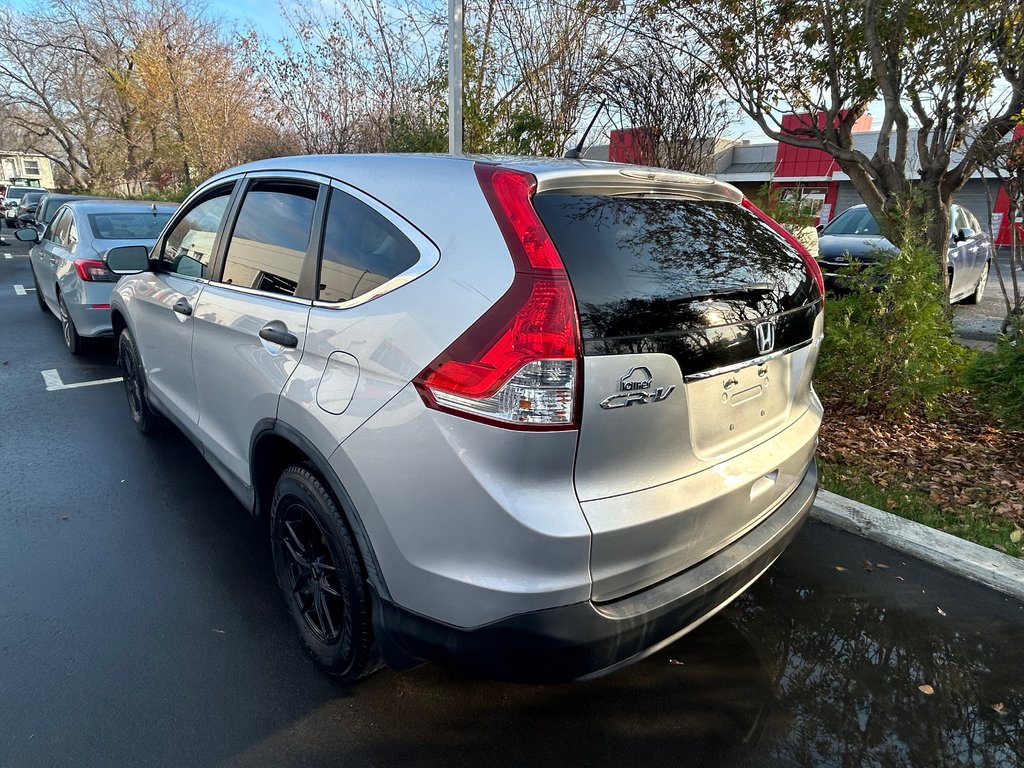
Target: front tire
[
  {"x": 39, "y": 292},
  {"x": 146, "y": 419},
  {"x": 322, "y": 576}
]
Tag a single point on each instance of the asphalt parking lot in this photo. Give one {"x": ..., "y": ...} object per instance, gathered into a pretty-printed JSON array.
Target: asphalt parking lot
[{"x": 140, "y": 624}]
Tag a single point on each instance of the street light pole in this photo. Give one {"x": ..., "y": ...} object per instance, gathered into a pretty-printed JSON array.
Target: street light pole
[{"x": 455, "y": 27}]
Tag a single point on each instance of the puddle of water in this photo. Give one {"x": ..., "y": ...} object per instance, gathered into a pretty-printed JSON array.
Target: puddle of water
[{"x": 847, "y": 652}]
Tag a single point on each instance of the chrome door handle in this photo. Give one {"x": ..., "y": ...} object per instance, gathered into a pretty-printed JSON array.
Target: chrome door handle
[{"x": 182, "y": 307}]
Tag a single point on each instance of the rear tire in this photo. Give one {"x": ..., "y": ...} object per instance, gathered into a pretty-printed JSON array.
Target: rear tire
[
  {"x": 74, "y": 342},
  {"x": 146, "y": 419},
  {"x": 979, "y": 289},
  {"x": 322, "y": 576}
]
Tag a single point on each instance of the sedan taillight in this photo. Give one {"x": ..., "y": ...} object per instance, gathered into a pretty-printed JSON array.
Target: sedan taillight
[{"x": 93, "y": 271}]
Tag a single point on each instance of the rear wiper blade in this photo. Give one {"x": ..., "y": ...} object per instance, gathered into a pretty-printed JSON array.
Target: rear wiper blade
[{"x": 747, "y": 289}]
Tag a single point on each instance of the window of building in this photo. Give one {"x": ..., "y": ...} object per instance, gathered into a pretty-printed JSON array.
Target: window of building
[{"x": 31, "y": 167}]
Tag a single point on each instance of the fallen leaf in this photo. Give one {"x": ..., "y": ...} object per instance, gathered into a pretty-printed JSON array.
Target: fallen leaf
[
  {"x": 999, "y": 708},
  {"x": 899, "y": 578},
  {"x": 677, "y": 662},
  {"x": 890, "y": 503},
  {"x": 1016, "y": 535},
  {"x": 840, "y": 568},
  {"x": 882, "y": 566},
  {"x": 63, "y": 517},
  {"x": 926, "y": 689},
  {"x": 220, "y": 631},
  {"x": 941, "y": 612}
]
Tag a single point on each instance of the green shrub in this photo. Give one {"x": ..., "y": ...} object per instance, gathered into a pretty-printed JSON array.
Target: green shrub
[
  {"x": 889, "y": 340},
  {"x": 997, "y": 378}
]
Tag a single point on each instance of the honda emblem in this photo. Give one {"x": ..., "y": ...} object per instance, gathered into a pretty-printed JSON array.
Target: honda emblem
[{"x": 764, "y": 333}]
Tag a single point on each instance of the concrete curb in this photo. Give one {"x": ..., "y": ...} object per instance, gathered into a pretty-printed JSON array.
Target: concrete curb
[{"x": 963, "y": 558}]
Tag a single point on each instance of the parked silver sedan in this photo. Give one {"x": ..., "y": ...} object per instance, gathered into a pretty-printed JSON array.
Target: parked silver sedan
[{"x": 69, "y": 260}]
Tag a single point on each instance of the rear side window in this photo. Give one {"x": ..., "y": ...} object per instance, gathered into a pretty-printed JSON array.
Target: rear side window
[
  {"x": 644, "y": 265},
  {"x": 127, "y": 226},
  {"x": 361, "y": 250},
  {"x": 271, "y": 237}
]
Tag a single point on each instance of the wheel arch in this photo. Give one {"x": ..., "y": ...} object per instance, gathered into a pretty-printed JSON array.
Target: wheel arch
[{"x": 274, "y": 447}]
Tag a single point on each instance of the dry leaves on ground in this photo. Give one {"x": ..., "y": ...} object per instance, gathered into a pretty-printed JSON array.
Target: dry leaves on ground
[{"x": 960, "y": 458}]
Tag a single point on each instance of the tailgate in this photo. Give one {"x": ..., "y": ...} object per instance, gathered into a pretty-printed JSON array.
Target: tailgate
[{"x": 700, "y": 329}]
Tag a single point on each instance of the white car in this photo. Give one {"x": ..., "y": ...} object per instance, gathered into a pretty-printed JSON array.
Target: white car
[{"x": 13, "y": 199}]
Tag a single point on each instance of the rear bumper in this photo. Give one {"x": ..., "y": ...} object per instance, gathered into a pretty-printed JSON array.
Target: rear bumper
[{"x": 588, "y": 638}]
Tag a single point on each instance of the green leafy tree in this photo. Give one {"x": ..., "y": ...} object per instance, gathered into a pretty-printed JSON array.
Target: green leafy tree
[{"x": 955, "y": 67}]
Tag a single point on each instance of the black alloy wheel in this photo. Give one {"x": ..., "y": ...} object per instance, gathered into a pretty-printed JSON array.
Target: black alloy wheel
[
  {"x": 146, "y": 419},
  {"x": 321, "y": 575}
]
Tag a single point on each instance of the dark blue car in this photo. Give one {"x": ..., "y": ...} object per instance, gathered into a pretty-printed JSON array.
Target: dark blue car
[{"x": 854, "y": 236}]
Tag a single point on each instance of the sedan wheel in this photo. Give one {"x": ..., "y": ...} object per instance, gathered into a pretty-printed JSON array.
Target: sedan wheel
[
  {"x": 322, "y": 577},
  {"x": 74, "y": 342},
  {"x": 39, "y": 293}
]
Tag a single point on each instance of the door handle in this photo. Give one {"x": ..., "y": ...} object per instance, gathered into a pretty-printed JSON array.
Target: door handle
[
  {"x": 274, "y": 333},
  {"x": 182, "y": 307}
]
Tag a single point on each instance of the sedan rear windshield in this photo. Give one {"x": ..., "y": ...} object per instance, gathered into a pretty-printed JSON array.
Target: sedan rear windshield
[
  {"x": 643, "y": 265},
  {"x": 127, "y": 226},
  {"x": 19, "y": 192},
  {"x": 855, "y": 221}
]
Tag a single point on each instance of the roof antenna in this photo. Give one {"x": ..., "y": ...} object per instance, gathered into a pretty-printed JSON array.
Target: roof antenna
[{"x": 577, "y": 152}]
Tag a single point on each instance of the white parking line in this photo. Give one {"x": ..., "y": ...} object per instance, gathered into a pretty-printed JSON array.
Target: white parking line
[
  {"x": 54, "y": 383},
  {"x": 21, "y": 290}
]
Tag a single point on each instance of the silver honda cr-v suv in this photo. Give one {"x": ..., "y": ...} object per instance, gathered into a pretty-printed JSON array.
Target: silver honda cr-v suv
[{"x": 534, "y": 419}]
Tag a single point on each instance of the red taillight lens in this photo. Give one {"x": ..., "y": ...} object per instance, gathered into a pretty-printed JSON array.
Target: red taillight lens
[
  {"x": 518, "y": 365},
  {"x": 93, "y": 271},
  {"x": 812, "y": 266}
]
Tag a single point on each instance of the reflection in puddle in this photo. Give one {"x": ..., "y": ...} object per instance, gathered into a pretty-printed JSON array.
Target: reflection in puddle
[{"x": 846, "y": 670}]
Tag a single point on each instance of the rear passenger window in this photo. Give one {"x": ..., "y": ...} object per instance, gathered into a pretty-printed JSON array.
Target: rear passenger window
[
  {"x": 271, "y": 237},
  {"x": 362, "y": 250},
  {"x": 189, "y": 246}
]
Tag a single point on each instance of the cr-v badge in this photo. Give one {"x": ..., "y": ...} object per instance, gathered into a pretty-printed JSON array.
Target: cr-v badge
[{"x": 636, "y": 387}]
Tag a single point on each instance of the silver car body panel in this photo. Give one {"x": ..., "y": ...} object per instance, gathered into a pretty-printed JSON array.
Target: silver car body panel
[{"x": 470, "y": 523}]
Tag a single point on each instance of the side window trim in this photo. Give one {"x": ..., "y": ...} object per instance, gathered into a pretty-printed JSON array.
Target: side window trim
[
  {"x": 305, "y": 290},
  {"x": 429, "y": 253},
  {"x": 193, "y": 200}
]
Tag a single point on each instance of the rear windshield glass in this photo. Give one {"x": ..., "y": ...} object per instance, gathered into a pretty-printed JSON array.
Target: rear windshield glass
[
  {"x": 18, "y": 192},
  {"x": 664, "y": 258},
  {"x": 854, "y": 221},
  {"x": 127, "y": 226}
]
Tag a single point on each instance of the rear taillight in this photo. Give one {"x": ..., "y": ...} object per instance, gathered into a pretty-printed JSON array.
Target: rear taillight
[
  {"x": 519, "y": 364},
  {"x": 812, "y": 266},
  {"x": 93, "y": 271}
]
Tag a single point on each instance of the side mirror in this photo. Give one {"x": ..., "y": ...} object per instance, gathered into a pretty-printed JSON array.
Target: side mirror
[
  {"x": 127, "y": 259},
  {"x": 819, "y": 227},
  {"x": 27, "y": 234}
]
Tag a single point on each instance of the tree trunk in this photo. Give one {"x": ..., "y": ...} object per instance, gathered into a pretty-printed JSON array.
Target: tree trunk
[{"x": 933, "y": 207}]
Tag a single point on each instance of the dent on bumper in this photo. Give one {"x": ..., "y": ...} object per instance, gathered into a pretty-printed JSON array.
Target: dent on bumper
[{"x": 588, "y": 638}]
